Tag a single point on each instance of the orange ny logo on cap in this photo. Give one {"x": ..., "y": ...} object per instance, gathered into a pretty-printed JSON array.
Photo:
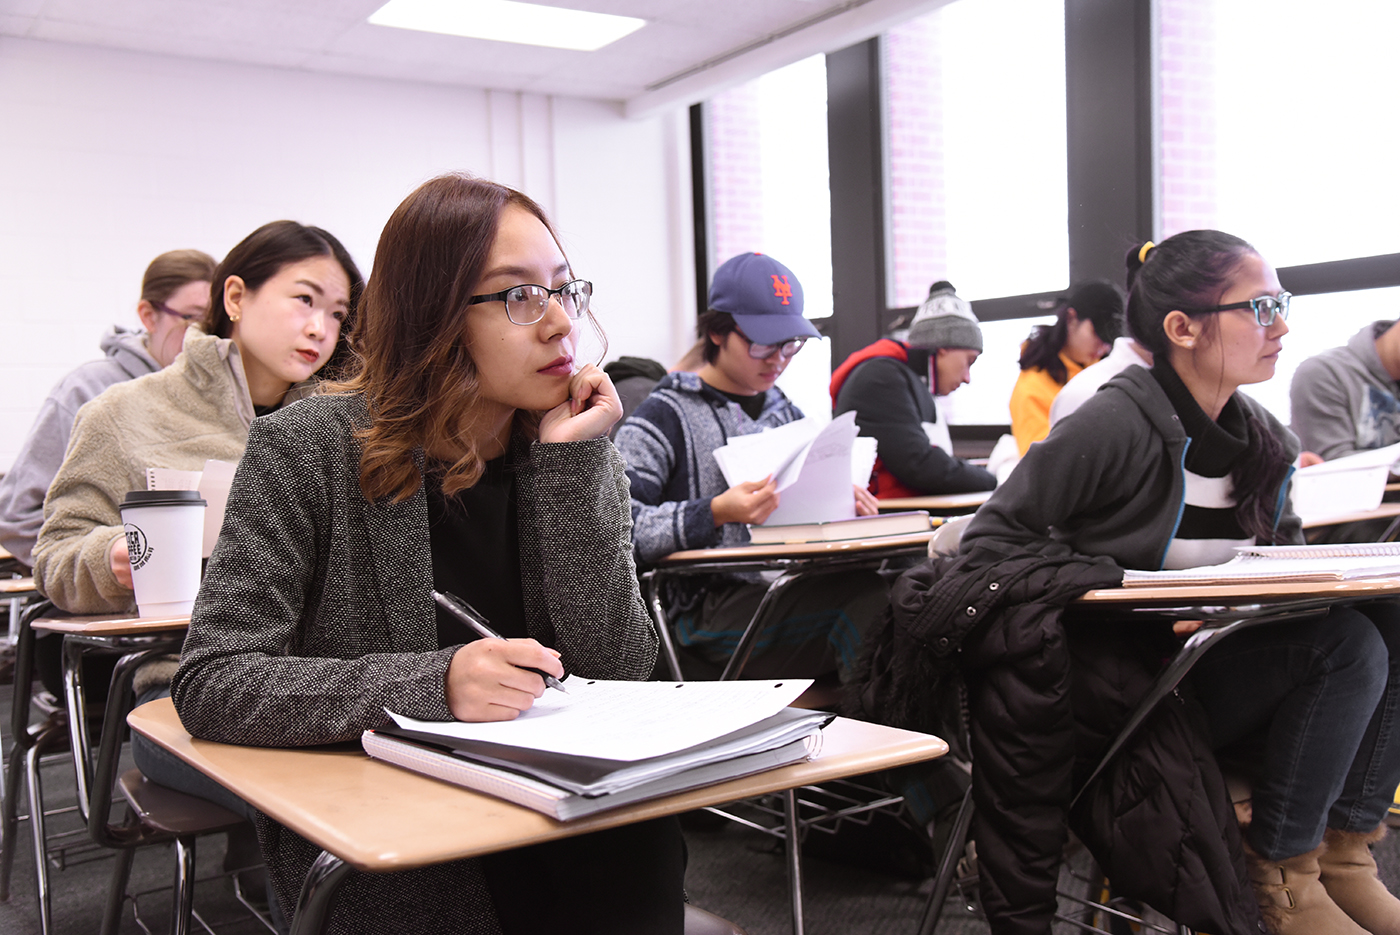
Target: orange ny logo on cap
[{"x": 781, "y": 289}]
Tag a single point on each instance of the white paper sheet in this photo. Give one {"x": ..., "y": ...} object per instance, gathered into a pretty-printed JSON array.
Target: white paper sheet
[
  {"x": 171, "y": 479},
  {"x": 214, "y": 484},
  {"x": 821, "y": 492},
  {"x": 1345, "y": 485},
  {"x": 864, "y": 451},
  {"x": 628, "y": 720},
  {"x": 1375, "y": 457},
  {"x": 776, "y": 451},
  {"x": 813, "y": 466}
]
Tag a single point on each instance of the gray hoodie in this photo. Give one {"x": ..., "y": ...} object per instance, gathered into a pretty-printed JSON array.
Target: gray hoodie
[
  {"x": 1343, "y": 399},
  {"x": 22, "y": 490}
]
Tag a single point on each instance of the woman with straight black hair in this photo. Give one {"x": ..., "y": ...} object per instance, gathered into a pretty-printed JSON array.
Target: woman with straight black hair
[
  {"x": 278, "y": 302},
  {"x": 1087, "y": 323},
  {"x": 468, "y": 453},
  {"x": 1173, "y": 468}
]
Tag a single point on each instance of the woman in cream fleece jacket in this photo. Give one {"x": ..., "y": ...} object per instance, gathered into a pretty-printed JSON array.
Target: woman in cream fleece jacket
[{"x": 278, "y": 303}]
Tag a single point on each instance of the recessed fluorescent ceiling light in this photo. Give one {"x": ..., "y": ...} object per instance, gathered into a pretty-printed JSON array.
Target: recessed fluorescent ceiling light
[{"x": 509, "y": 21}]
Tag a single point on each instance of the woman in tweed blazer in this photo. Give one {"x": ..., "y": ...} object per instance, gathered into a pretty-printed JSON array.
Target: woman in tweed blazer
[{"x": 315, "y": 613}]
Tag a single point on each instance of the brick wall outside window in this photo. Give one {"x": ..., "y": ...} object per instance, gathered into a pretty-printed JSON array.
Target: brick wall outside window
[
  {"x": 1186, "y": 115},
  {"x": 914, "y": 92}
]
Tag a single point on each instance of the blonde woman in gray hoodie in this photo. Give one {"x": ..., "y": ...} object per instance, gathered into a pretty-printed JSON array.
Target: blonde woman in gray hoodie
[
  {"x": 278, "y": 303},
  {"x": 174, "y": 292}
]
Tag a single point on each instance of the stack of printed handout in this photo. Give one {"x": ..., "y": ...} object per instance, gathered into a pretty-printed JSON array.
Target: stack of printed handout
[
  {"x": 813, "y": 466},
  {"x": 605, "y": 744},
  {"x": 1283, "y": 564}
]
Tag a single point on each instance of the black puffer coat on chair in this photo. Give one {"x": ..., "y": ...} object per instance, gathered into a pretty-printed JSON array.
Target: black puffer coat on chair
[{"x": 979, "y": 643}]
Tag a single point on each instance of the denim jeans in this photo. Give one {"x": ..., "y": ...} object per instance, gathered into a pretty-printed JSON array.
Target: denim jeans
[{"x": 1322, "y": 695}]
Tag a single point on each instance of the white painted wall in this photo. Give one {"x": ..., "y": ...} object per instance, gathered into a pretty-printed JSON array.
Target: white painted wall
[{"x": 108, "y": 158}]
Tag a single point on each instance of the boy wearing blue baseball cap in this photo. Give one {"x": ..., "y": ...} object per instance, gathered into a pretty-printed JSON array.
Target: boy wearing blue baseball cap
[{"x": 680, "y": 500}]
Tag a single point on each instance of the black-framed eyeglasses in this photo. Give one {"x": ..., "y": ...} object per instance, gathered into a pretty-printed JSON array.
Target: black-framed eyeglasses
[
  {"x": 787, "y": 349},
  {"x": 526, "y": 304},
  {"x": 1265, "y": 308},
  {"x": 186, "y": 317}
]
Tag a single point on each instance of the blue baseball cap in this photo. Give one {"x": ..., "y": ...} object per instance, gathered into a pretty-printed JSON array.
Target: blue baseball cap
[{"x": 764, "y": 297}]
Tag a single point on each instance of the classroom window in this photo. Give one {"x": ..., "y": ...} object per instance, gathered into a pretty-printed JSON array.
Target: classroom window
[
  {"x": 987, "y": 399},
  {"x": 976, "y": 154},
  {"x": 1277, "y": 123},
  {"x": 768, "y": 189}
]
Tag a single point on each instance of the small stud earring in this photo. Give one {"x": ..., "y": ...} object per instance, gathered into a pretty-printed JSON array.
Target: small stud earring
[
  {"x": 233, "y": 318},
  {"x": 1188, "y": 343}
]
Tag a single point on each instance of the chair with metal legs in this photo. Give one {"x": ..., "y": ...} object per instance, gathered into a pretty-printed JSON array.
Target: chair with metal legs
[
  {"x": 30, "y": 744},
  {"x": 833, "y": 807},
  {"x": 154, "y": 813}
]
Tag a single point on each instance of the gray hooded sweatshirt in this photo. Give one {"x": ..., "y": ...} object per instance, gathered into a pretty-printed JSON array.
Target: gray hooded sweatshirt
[
  {"x": 1343, "y": 399},
  {"x": 22, "y": 490}
]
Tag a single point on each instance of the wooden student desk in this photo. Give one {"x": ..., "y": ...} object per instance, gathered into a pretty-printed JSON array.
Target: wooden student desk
[
  {"x": 1384, "y": 511},
  {"x": 369, "y": 815},
  {"x": 17, "y": 591},
  {"x": 107, "y": 634},
  {"x": 946, "y": 504},
  {"x": 1223, "y": 610},
  {"x": 794, "y": 561},
  {"x": 13, "y": 586}
]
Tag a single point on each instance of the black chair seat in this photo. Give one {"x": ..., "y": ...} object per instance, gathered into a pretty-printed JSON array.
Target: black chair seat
[{"x": 172, "y": 812}]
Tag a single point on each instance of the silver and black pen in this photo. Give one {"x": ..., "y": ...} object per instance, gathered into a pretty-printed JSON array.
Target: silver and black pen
[{"x": 472, "y": 617}]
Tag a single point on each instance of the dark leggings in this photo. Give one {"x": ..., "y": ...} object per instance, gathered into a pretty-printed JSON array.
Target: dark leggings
[{"x": 616, "y": 882}]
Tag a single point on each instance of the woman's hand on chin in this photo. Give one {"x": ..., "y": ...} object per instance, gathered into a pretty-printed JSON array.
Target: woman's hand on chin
[{"x": 591, "y": 409}]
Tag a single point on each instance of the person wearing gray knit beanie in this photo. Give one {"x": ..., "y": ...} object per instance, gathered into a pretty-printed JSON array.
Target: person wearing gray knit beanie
[
  {"x": 945, "y": 319},
  {"x": 890, "y": 385}
]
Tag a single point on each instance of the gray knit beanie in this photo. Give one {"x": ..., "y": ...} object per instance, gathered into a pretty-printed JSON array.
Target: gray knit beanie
[{"x": 944, "y": 320}]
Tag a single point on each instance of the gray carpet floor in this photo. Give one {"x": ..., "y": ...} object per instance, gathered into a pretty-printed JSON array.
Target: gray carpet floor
[{"x": 735, "y": 872}]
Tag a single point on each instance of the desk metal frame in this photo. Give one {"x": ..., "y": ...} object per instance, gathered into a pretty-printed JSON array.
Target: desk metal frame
[
  {"x": 792, "y": 570},
  {"x": 377, "y": 817}
]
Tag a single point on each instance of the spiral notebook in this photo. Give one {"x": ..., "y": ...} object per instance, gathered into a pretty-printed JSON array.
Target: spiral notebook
[
  {"x": 561, "y": 804},
  {"x": 1283, "y": 564}
]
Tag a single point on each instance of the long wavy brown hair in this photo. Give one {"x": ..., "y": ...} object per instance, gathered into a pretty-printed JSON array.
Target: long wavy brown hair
[{"x": 416, "y": 371}]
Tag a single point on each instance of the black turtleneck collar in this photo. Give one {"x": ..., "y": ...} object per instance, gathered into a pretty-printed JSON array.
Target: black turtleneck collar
[{"x": 1215, "y": 443}]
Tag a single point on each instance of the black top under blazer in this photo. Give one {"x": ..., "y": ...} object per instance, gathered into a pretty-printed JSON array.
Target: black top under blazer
[{"x": 315, "y": 615}]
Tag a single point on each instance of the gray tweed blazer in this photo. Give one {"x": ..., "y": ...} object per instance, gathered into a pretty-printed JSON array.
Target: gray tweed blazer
[{"x": 315, "y": 615}]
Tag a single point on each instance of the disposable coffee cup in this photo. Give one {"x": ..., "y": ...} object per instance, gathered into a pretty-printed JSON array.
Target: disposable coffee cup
[{"x": 164, "y": 536}]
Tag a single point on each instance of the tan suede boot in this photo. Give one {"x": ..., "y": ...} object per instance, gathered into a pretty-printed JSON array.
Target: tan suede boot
[
  {"x": 1349, "y": 876},
  {"x": 1291, "y": 898}
]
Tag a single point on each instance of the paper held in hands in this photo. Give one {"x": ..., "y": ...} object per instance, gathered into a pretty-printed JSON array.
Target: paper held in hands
[
  {"x": 814, "y": 467},
  {"x": 1352, "y": 484}
]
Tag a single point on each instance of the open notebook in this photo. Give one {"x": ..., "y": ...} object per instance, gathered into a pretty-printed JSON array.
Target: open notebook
[{"x": 1284, "y": 563}]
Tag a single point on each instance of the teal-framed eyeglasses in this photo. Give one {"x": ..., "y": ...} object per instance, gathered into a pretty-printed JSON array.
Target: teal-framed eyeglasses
[
  {"x": 1265, "y": 308},
  {"x": 526, "y": 304}
]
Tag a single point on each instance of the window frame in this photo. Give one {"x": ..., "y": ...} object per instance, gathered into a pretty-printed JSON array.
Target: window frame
[{"x": 1110, "y": 87}]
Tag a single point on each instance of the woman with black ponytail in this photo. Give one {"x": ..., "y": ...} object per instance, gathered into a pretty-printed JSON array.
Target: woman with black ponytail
[
  {"x": 1089, "y": 319},
  {"x": 1171, "y": 468}
]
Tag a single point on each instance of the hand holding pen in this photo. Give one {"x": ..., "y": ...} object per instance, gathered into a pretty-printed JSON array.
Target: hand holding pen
[{"x": 472, "y": 617}]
